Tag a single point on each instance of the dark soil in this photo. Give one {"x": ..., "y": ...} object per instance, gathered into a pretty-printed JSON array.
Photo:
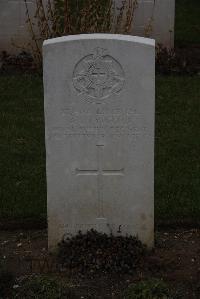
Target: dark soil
[{"x": 176, "y": 259}]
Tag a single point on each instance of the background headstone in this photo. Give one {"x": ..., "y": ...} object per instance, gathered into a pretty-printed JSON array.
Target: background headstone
[
  {"x": 154, "y": 19},
  {"x": 14, "y": 31},
  {"x": 13, "y": 21},
  {"x": 99, "y": 119}
]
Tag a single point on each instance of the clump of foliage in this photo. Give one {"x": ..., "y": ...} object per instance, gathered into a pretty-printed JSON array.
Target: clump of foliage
[
  {"x": 82, "y": 16},
  {"x": 150, "y": 289},
  {"x": 64, "y": 17},
  {"x": 40, "y": 287},
  {"x": 177, "y": 61},
  {"x": 21, "y": 62},
  {"x": 96, "y": 252}
]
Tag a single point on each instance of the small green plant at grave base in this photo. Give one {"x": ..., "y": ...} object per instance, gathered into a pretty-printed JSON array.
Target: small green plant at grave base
[
  {"x": 150, "y": 289},
  {"x": 64, "y": 17},
  {"x": 95, "y": 252},
  {"x": 41, "y": 287}
]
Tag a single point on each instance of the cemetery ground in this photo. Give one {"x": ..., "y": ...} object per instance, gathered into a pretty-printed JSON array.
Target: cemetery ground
[{"x": 175, "y": 258}]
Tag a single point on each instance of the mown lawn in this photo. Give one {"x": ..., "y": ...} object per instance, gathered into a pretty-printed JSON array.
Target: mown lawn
[
  {"x": 187, "y": 22},
  {"x": 177, "y": 159},
  {"x": 22, "y": 150}
]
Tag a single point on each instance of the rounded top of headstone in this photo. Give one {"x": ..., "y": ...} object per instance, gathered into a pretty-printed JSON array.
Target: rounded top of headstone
[{"x": 101, "y": 36}]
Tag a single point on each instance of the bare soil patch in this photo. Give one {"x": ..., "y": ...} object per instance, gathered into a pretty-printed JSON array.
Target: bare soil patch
[{"x": 175, "y": 259}]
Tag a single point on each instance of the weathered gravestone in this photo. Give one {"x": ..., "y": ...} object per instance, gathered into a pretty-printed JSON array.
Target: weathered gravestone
[{"x": 99, "y": 119}]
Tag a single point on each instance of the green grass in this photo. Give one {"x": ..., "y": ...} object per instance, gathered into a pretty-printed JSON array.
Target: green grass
[
  {"x": 177, "y": 171},
  {"x": 22, "y": 151},
  {"x": 40, "y": 287},
  {"x": 153, "y": 288},
  {"x": 187, "y": 23}
]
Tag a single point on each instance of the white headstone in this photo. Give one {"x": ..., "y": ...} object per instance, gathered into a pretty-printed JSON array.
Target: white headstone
[{"x": 99, "y": 119}]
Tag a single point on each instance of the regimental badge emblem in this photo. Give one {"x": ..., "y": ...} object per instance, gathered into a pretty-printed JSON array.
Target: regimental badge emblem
[{"x": 98, "y": 76}]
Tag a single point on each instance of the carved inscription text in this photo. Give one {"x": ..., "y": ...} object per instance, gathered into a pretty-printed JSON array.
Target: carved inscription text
[{"x": 105, "y": 123}]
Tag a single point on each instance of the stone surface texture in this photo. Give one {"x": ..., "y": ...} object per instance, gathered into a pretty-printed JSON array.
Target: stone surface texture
[{"x": 99, "y": 120}]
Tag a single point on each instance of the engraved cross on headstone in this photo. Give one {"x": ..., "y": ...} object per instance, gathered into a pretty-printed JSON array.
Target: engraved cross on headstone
[
  {"x": 99, "y": 78},
  {"x": 100, "y": 172}
]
